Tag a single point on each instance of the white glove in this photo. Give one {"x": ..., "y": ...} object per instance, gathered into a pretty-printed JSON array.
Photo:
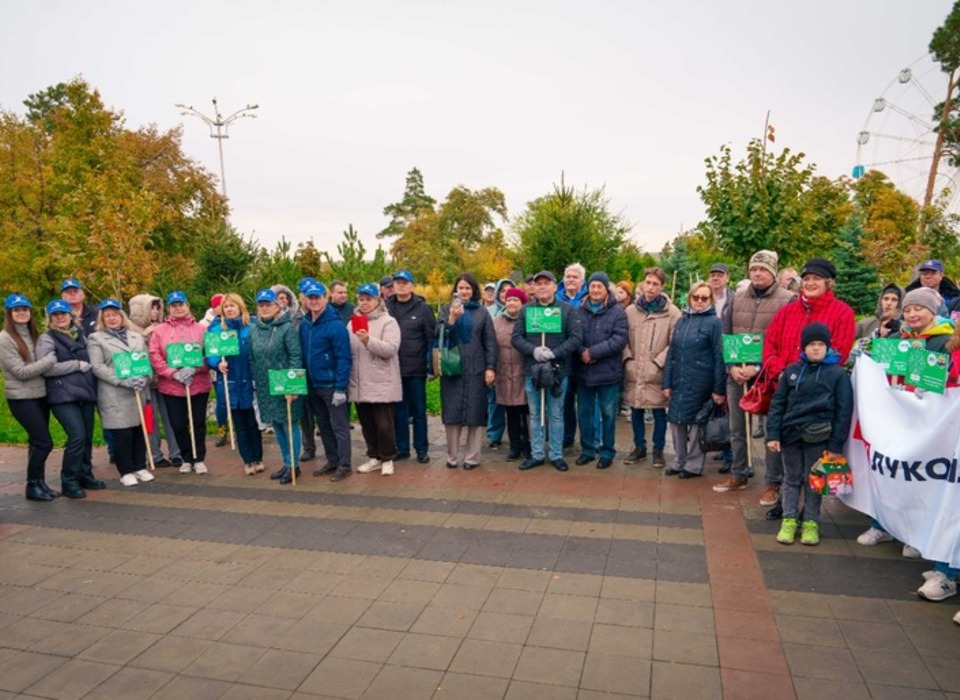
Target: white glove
[
  {"x": 543, "y": 354},
  {"x": 339, "y": 398},
  {"x": 184, "y": 375}
]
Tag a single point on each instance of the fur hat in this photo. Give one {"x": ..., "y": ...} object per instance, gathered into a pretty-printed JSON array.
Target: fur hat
[
  {"x": 922, "y": 296},
  {"x": 767, "y": 259},
  {"x": 812, "y": 332}
]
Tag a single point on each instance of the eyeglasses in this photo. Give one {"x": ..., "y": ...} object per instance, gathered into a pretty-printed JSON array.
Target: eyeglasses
[{"x": 698, "y": 297}]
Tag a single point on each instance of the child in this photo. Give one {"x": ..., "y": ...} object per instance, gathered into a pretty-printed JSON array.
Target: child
[{"x": 810, "y": 414}]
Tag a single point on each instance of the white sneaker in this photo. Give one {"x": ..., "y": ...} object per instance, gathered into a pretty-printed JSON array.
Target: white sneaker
[
  {"x": 937, "y": 587},
  {"x": 371, "y": 465},
  {"x": 128, "y": 480},
  {"x": 910, "y": 552},
  {"x": 927, "y": 575},
  {"x": 200, "y": 468},
  {"x": 956, "y": 618},
  {"x": 874, "y": 536},
  {"x": 186, "y": 468},
  {"x": 258, "y": 467},
  {"x": 249, "y": 469},
  {"x": 144, "y": 475},
  {"x": 387, "y": 468}
]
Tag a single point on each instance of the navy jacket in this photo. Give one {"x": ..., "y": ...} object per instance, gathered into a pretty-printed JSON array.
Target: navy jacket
[
  {"x": 604, "y": 336},
  {"x": 75, "y": 386},
  {"x": 417, "y": 328},
  {"x": 326, "y": 350},
  {"x": 694, "y": 366},
  {"x": 239, "y": 374}
]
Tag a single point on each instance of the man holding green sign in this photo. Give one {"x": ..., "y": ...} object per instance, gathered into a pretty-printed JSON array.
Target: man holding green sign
[{"x": 547, "y": 334}]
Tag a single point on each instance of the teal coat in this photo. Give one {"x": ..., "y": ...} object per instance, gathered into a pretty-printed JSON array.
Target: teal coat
[{"x": 274, "y": 344}]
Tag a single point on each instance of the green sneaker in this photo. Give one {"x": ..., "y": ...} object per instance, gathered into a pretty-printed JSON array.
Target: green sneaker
[
  {"x": 788, "y": 531},
  {"x": 810, "y": 533}
]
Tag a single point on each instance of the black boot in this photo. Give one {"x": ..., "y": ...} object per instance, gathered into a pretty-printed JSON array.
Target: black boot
[
  {"x": 43, "y": 485},
  {"x": 70, "y": 487},
  {"x": 88, "y": 481},
  {"x": 281, "y": 473},
  {"x": 288, "y": 477},
  {"x": 35, "y": 492}
]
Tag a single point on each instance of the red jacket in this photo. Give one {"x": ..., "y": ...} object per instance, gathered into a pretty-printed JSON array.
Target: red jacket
[{"x": 781, "y": 340}]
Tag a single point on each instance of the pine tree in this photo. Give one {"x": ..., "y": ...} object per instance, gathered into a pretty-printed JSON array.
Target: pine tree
[{"x": 857, "y": 281}]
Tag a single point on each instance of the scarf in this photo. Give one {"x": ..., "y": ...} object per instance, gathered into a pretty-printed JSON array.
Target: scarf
[
  {"x": 120, "y": 333},
  {"x": 648, "y": 307},
  {"x": 463, "y": 328}
]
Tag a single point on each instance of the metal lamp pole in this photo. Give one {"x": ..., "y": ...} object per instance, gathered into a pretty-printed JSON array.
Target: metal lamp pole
[{"x": 219, "y": 129}]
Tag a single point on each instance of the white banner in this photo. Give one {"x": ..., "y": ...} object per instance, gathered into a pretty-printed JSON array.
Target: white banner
[{"x": 903, "y": 451}]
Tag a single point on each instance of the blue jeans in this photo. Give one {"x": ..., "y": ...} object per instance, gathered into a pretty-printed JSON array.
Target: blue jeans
[
  {"x": 496, "y": 418},
  {"x": 946, "y": 570},
  {"x": 283, "y": 441},
  {"x": 592, "y": 436},
  {"x": 413, "y": 405},
  {"x": 554, "y": 420},
  {"x": 76, "y": 417},
  {"x": 640, "y": 430}
]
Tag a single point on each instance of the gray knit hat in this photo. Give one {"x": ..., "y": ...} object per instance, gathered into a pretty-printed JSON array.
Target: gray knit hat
[
  {"x": 767, "y": 259},
  {"x": 923, "y": 296}
]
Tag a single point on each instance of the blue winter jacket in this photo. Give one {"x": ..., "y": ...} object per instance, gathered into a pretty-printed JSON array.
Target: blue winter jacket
[
  {"x": 694, "y": 367},
  {"x": 577, "y": 299},
  {"x": 605, "y": 336},
  {"x": 239, "y": 374},
  {"x": 326, "y": 350}
]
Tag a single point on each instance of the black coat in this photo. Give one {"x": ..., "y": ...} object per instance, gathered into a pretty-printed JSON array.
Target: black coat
[
  {"x": 463, "y": 399},
  {"x": 417, "y": 328},
  {"x": 564, "y": 344},
  {"x": 605, "y": 336},
  {"x": 694, "y": 367}
]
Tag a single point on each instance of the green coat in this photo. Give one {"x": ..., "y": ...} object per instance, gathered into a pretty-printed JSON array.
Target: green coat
[{"x": 274, "y": 344}]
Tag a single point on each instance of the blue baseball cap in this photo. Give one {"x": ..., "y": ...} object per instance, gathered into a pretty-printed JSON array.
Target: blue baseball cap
[
  {"x": 304, "y": 283},
  {"x": 110, "y": 304},
  {"x": 58, "y": 306},
  {"x": 934, "y": 264},
  {"x": 266, "y": 296},
  {"x": 70, "y": 283},
  {"x": 369, "y": 289},
  {"x": 315, "y": 289},
  {"x": 176, "y": 297},
  {"x": 17, "y": 301},
  {"x": 403, "y": 275}
]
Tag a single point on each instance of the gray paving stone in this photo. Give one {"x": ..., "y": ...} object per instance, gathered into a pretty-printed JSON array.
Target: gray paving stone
[
  {"x": 551, "y": 666},
  {"x": 833, "y": 689},
  {"x": 634, "y": 642},
  {"x": 366, "y": 644},
  {"x": 425, "y": 651},
  {"x": 400, "y": 682},
  {"x": 481, "y": 658},
  {"x": 501, "y": 627},
  {"x": 675, "y": 680},
  {"x": 555, "y": 633},
  {"x": 685, "y": 647},
  {"x": 341, "y": 678},
  {"x": 522, "y": 690},
  {"x": 459, "y": 686}
]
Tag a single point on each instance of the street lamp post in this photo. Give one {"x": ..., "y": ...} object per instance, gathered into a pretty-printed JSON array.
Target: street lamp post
[{"x": 219, "y": 129}]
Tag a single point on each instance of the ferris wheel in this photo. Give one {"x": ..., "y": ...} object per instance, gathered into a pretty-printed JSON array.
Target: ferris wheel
[{"x": 898, "y": 136}]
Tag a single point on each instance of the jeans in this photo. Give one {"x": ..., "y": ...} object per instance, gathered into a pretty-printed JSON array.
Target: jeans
[
  {"x": 413, "y": 405},
  {"x": 76, "y": 417},
  {"x": 34, "y": 416},
  {"x": 334, "y": 424},
  {"x": 640, "y": 429},
  {"x": 603, "y": 435},
  {"x": 283, "y": 441},
  {"x": 249, "y": 443},
  {"x": 554, "y": 419},
  {"x": 496, "y": 418},
  {"x": 797, "y": 460},
  {"x": 220, "y": 407}
]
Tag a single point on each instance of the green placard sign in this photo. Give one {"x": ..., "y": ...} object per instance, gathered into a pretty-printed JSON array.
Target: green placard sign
[
  {"x": 287, "y": 381},
  {"x": 132, "y": 364},
  {"x": 222, "y": 343},
  {"x": 927, "y": 370},
  {"x": 899, "y": 362},
  {"x": 544, "y": 319},
  {"x": 743, "y": 347},
  {"x": 184, "y": 355},
  {"x": 883, "y": 350}
]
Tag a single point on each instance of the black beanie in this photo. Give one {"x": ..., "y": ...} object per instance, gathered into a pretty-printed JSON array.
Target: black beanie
[
  {"x": 820, "y": 266},
  {"x": 812, "y": 332}
]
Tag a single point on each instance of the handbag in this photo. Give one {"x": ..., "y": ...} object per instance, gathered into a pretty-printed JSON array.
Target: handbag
[
  {"x": 447, "y": 361},
  {"x": 757, "y": 398},
  {"x": 715, "y": 428}
]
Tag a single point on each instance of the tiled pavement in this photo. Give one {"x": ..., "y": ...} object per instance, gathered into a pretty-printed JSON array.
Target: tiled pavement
[{"x": 438, "y": 583}]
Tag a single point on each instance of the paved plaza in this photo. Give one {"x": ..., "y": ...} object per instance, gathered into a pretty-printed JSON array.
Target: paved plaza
[{"x": 441, "y": 583}]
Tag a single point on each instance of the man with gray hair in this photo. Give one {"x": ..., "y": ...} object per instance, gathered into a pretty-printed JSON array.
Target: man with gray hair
[{"x": 573, "y": 291}]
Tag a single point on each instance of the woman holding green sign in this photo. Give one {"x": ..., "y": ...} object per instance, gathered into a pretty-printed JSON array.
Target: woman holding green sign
[
  {"x": 116, "y": 396},
  {"x": 232, "y": 365},
  {"x": 175, "y": 347},
  {"x": 275, "y": 344}
]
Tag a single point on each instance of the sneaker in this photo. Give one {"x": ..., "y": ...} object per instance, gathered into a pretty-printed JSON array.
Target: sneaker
[
  {"x": 873, "y": 536},
  {"x": 371, "y": 465},
  {"x": 249, "y": 470},
  {"x": 144, "y": 475},
  {"x": 927, "y": 575},
  {"x": 186, "y": 468},
  {"x": 956, "y": 618},
  {"x": 636, "y": 455},
  {"x": 788, "y": 531},
  {"x": 937, "y": 587},
  {"x": 128, "y": 480},
  {"x": 810, "y": 533},
  {"x": 731, "y": 484},
  {"x": 199, "y": 468},
  {"x": 770, "y": 495},
  {"x": 910, "y": 552},
  {"x": 387, "y": 468},
  {"x": 658, "y": 461},
  {"x": 258, "y": 467}
]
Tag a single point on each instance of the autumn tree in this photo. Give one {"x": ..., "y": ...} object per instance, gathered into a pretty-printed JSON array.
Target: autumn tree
[{"x": 889, "y": 219}]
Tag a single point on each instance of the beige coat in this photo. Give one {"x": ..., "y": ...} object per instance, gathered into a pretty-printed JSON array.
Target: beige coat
[
  {"x": 375, "y": 374},
  {"x": 647, "y": 343},
  {"x": 510, "y": 381}
]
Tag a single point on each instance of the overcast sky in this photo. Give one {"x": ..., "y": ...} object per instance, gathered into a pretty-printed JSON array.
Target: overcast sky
[{"x": 631, "y": 95}]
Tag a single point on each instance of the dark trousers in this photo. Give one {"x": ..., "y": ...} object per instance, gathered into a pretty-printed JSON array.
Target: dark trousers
[
  {"x": 309, "y": 423},
  {"x": 76, "y": 417},
  {"x": 34, "y": 416},
  {"x": 249, "y": 443},
  {"x": 376, "y": 421},
  {"x": 413, "y": 405},
  {"x": 570, "y": 412},
  {"x": 496, "y": 421},
  {"x": 797, "y": 461},
  {"x": 129, "y": 449},
  {"x": 334, "y": 424},
  {"x": 180, "y": 423},
  {"x": 518, "y": 429}
]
